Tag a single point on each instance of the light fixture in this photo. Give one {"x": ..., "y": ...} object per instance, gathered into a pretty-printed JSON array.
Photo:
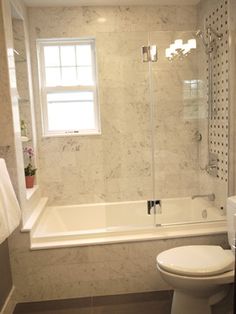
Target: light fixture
[
  {"x": 179, "y": 49},
  {"x": 168, "y": 53},
  {"x": 192, "y": 43},
  {"x": 178, "y": 44}
]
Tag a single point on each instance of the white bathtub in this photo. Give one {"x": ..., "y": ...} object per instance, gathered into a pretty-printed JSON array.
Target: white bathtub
[{"x": 125, "y": 221}]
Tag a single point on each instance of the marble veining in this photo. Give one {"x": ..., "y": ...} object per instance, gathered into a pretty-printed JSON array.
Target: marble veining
[{"x": 117, "y": 165}]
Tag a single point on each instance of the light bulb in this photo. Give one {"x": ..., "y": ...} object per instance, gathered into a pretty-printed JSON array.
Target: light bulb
[
  {"x": 178, "y": 44},
  {"x": 168, "y": 53},
  {"x": 192, "y": 43},
  {"x": 172, "y": 49},
  {"x": 186, "y": 48}
]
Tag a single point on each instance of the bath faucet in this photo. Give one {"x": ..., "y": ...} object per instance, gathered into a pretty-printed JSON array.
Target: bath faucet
[
  {"x": 151, "y": 204},
  {"x": 211, "y": 197}
]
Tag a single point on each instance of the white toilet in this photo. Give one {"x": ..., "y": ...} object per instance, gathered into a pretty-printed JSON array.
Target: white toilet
[{"x": 200, "y": 274}]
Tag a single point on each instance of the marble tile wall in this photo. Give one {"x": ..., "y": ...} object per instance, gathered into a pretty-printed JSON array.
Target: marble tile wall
[
  {"x": 117, "y": 165},
  {"x": 91, "y": 270},
  {"x": 232, "y": 88},
  {"x": 215, "y": 13}
]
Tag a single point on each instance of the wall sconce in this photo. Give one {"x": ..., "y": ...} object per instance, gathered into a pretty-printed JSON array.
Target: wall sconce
[{"x": 179, "y": 49}]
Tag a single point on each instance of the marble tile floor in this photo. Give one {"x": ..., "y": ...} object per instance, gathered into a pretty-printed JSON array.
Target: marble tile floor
[{"x": 138, "y": 303}]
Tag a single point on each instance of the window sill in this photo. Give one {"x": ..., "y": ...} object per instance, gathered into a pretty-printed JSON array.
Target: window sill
[
  {"x": 71, "y": 134},
  {"x": 30, "y": 192}
]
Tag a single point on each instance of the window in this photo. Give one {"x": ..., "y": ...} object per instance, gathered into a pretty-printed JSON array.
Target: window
[{"x": 68, "y": 87}]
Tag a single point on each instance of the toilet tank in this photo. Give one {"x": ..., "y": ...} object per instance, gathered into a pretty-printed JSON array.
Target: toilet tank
[{"x": 231, "y": 220}]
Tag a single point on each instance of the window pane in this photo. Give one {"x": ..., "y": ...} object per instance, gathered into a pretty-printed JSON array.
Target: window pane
[
  {"x": 74, "y": 114},
  {"x": 69, "y": 76},
  {"x": 53, "y": 76},
  {"x": 51, "y": 56},
  {"x": 85, "y": 76},
  {"x": 70, "y": 96},
  {"x": 72, "y": 105},
  {"x": 67, "y": 55},
  {"x": 83, "y": 54}
]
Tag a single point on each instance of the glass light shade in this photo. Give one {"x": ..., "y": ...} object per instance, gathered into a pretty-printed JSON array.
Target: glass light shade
[
  {"x": 192, "y": 43},
  {"x": 172, "y": 49},
  {"x": 168, "y": 53},
  {"x": 178, "y": 44},
  {"x": 186, "y": 48}
]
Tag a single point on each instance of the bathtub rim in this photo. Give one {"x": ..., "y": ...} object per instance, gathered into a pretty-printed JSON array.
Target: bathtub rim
[
  {"x": 127, "y": 229},
  {"x": 156, "y": 233},
  {"x": 114, "y": 228}
]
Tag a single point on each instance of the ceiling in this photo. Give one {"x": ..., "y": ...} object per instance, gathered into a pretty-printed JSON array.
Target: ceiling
[{"x": 67, "y": 3}]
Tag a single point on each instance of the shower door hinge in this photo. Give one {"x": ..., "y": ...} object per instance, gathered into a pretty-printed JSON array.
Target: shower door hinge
[{"x": 149, "y": 53}]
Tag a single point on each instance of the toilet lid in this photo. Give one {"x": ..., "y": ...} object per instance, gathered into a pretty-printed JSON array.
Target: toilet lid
[{"x": 196, "y": 260}]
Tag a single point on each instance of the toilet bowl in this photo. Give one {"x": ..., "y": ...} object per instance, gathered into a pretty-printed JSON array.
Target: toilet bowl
[{"x": 200, "y": 274}]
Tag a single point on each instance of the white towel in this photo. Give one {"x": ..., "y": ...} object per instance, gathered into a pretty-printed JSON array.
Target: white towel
[{"x": 10, "y": 213}]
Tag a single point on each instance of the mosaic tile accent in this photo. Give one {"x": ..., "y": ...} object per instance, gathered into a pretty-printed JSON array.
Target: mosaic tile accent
[{"x": 218, "y": 134}]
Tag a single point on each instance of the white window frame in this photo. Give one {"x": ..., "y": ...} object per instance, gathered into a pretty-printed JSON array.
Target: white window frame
[{"x": 44, "y": 90}]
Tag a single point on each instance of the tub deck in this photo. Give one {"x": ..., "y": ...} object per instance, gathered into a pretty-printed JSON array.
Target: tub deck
[{"x": 90, "y": 224}]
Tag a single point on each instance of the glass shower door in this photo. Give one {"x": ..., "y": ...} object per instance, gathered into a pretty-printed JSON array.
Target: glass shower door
[
  {"x": 181, "y": 131},
  {"x": 176, "y": 98}
]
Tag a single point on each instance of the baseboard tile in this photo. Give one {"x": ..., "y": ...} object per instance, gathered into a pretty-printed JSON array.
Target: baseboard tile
[{"x": 10, "y": 303}]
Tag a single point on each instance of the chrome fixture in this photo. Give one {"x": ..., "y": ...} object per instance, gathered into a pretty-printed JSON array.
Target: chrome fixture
[
  {"x": 149, "y": 53},
  {"x": 197, "y": 136},
  {"x": 211, "y": 169},
  {"x": 200, "y": 35},
  {"x": 152, "y": 204},
  {"x": 212, "y": 166},
  {"x": 210, "y": 44},
  {"x": 179, "y": 49},
  {"x": 211, "y": 197},
  {"x": 209, "y": 41}
]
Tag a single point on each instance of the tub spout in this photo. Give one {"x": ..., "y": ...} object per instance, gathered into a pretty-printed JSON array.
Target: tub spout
[
  {"x": 211, "y": 197},
  {"x": 152, "y": 204}
]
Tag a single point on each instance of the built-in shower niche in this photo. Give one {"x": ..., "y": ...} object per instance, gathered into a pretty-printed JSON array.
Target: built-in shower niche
[
  {"x": 22, "y": 79},
  {"x": 22, "y": 82}
]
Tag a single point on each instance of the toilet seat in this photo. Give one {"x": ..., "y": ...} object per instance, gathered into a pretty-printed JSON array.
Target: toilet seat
[{"x": 196, "y": 260}]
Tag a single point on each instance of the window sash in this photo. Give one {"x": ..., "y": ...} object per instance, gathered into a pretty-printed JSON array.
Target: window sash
[
  {"x": 78, "y": 131},
  {"x": 45, "y": 90}
]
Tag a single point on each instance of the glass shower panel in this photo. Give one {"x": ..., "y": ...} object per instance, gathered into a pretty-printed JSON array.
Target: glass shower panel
[
  {"x": 176, "y": 97},
  {"x": 180, "y": 137},
  {"x": 125, "y": 145}
]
